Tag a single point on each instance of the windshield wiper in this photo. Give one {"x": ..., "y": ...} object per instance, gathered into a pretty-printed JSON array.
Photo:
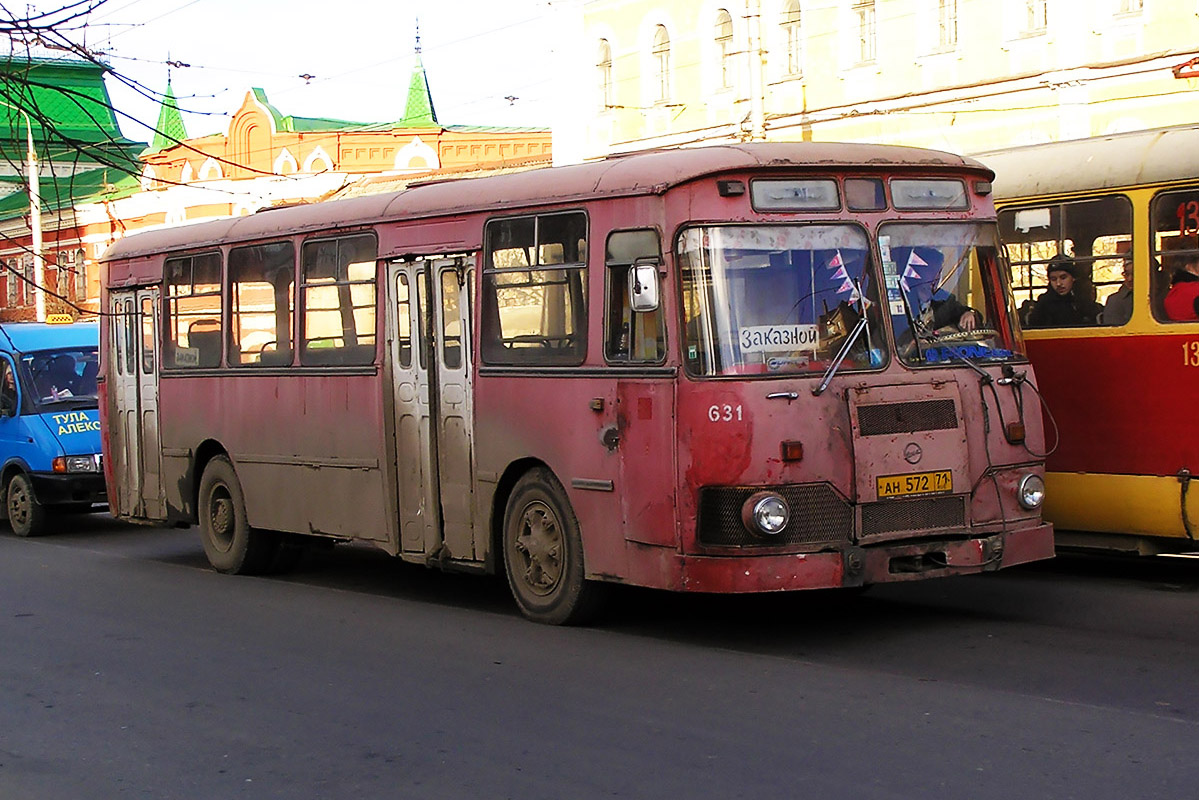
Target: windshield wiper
[{"x": 841, "y": 354}]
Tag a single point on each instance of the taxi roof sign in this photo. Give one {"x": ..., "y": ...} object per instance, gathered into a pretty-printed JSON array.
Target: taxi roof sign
[{"x": 59, "y": 319}]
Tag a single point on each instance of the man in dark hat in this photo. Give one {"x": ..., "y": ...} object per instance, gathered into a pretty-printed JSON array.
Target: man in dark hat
[{"x": 1059, "y": 306}]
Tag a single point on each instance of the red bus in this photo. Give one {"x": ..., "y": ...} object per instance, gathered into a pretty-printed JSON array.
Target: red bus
[
  {"x": 1124, "y": 210},
  {"x": 743, "y": 368}
]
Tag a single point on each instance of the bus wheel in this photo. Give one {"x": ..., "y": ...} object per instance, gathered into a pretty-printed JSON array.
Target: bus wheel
[
  {"x": 229, "y": 542},
  {"x": 543, "y": 553},
  {"x": 25, "y": 514}
]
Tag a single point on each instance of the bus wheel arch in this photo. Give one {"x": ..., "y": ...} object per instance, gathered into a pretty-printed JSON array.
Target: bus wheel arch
[
  {"x": 230, "y": 544},
  {"x": 542, "y": 549}
]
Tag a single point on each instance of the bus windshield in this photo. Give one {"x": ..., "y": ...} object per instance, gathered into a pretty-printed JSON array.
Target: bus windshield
[
  {"x": 58, "y": 379},
  {"x": 777, "y": 299},
  {"x": 944, "y": 293}
]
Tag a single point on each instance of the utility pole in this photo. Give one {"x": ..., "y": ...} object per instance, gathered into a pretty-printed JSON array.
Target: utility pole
[
  {"x": 757, "y": 60},
  {"x": 35, "y": 225}
]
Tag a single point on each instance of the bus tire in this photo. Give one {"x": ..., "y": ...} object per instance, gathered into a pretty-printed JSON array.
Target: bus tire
[
  {"x": 543, "y": 553},
  {"x": 231, "y": 545},
  {"x": 25, "y": 514}
]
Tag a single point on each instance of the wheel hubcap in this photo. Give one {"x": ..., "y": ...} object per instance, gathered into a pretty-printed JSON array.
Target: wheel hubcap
[
  {"x": 18, "y": 505},
  {"x": 539, "y": 546},
  {"x": 221, "y": 518}
]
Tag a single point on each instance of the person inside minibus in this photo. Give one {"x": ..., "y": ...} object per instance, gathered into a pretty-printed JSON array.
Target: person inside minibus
[
  {"x": 1060, "y": 306},
  {"x": 1182, "y": 301}
]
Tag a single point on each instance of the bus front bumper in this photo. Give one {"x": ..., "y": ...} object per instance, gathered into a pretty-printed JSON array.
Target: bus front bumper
[
  {"x": 859, "y": 566},
  {"x": 52, "y": 489}
]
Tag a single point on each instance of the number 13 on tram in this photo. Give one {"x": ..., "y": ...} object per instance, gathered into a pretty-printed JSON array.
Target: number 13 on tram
[{"x": 746, "y": 368}]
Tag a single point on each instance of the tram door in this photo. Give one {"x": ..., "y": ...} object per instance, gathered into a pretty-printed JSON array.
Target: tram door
[
  {"x": 429, "y": 332},
  {"x": 136, "y": 449}
]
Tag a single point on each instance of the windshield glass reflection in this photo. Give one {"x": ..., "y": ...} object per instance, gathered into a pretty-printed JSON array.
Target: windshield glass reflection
[{"x": 777, "y": 299}]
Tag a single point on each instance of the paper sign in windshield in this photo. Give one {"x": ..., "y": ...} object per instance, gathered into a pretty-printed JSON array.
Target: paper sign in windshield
[{"x": 778, "y": 338}]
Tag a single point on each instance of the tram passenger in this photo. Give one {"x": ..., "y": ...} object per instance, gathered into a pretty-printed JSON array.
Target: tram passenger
[
  {"x": 1182, "y": 301},
  {"x": 1118, "y": 308},
  {"x": 1060, "y": 306}
]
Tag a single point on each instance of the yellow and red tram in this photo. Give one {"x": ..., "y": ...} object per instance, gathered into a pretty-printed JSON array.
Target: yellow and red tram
[{"x": 1120, "y": 382}]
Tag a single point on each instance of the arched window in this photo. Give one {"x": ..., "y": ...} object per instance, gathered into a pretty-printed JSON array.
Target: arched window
[
  {"x": 661, "y": 53},
  {"x": 603, "y": 74},
  {"x": 724, "y": 47},
  {"x": 791, "y": 35}
]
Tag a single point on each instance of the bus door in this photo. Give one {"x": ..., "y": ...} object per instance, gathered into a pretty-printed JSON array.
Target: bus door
[
  {"x": 136, "y": 448},
  {"x": 429, "y": 332}
]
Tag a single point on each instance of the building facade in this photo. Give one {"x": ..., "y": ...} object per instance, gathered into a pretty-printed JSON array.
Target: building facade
[
  {"x": 265, "y": 158},
  {"x": 958, "y": 75}
]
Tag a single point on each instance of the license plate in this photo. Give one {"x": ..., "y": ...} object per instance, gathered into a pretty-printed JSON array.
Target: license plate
[{"x": 938, "y": 482}]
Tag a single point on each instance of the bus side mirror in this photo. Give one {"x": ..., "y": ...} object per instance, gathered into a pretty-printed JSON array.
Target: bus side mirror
[{"x": 643, "y": 286}]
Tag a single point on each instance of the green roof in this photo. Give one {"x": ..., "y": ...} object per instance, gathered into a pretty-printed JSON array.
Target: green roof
[
  {"x": 68, "y": 191},
  {"x": 419, "y": 112},
  {"x": 293, "y": 124},
  {"x": 169, "y": 130},
  {"x": 66, "y": 105}
]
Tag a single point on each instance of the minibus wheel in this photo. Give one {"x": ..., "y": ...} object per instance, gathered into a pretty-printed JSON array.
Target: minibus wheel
[
  {"x": 230, "y": 543},
  {"x": 25, "y": 514},
  {"x": 543, "y": 553}
]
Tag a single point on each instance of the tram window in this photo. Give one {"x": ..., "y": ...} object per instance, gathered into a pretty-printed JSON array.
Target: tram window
[
  {"x": 193, "y": 309},
  {"x": 338, "y": 291},
  {"x": 261, "y": 303},
  {"x": 630, "y": 336},
  {"x": 1095, "y": 235},
  {"x": 531, "y": 314},
  {"x": 1174, "y": 267}
]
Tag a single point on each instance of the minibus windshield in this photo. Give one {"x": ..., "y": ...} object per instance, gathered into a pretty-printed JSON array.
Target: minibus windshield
[{"x": 64, "y": 378}]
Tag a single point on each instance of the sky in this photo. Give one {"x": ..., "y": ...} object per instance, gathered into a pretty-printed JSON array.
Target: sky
[{"x": 360, "y": 54}]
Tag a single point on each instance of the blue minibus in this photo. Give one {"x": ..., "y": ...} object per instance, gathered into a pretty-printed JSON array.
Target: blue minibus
[{"x": 49, "y": 422}]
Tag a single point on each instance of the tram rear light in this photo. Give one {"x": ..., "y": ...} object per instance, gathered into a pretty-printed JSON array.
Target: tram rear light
[
  {"x": 982, "y": 187},
  {"x": 1015, "y": 432},
  {"x": 792, "y": 451}
]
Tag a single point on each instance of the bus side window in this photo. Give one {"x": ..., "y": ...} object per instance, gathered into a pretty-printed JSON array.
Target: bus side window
[
  {"x": 193, "y": 312},
  {"x": 8, "y": 389},
  {"x": 261, "y": 300},
  {"x": 338, "y": 295},
  {"x": 534, "y": 290},
  {"x": 630, "y": 336}
]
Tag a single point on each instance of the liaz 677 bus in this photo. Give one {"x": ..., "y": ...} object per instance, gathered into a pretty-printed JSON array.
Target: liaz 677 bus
[
  {"x": 1123, "y": 210},
  {"x": 49, "y": 422},
  {"x": 744, "y": 368}
]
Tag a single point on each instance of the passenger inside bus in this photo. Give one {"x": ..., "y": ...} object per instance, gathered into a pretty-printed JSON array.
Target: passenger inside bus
[
  {"x": 1182, "y": 301},
  {"x": 1117, "y": 310},
  {"x": 1060, "y": 306}
]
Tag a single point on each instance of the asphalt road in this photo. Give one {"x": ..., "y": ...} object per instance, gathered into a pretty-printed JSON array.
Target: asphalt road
[{"x": 129, "y": 669}]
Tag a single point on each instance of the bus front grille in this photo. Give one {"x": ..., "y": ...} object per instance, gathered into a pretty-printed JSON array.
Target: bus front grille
[
  {"x": 923, "y": 514},
  {"x": 819, "y": 516},
  {"x": 919, "y": 415}
]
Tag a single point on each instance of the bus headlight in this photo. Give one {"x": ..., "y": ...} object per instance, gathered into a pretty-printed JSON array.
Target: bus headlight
[
  {"x": 765, "y": 513},
  {"x": 76, "y": 464},
  {"x": 1031, "y": 492}
]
